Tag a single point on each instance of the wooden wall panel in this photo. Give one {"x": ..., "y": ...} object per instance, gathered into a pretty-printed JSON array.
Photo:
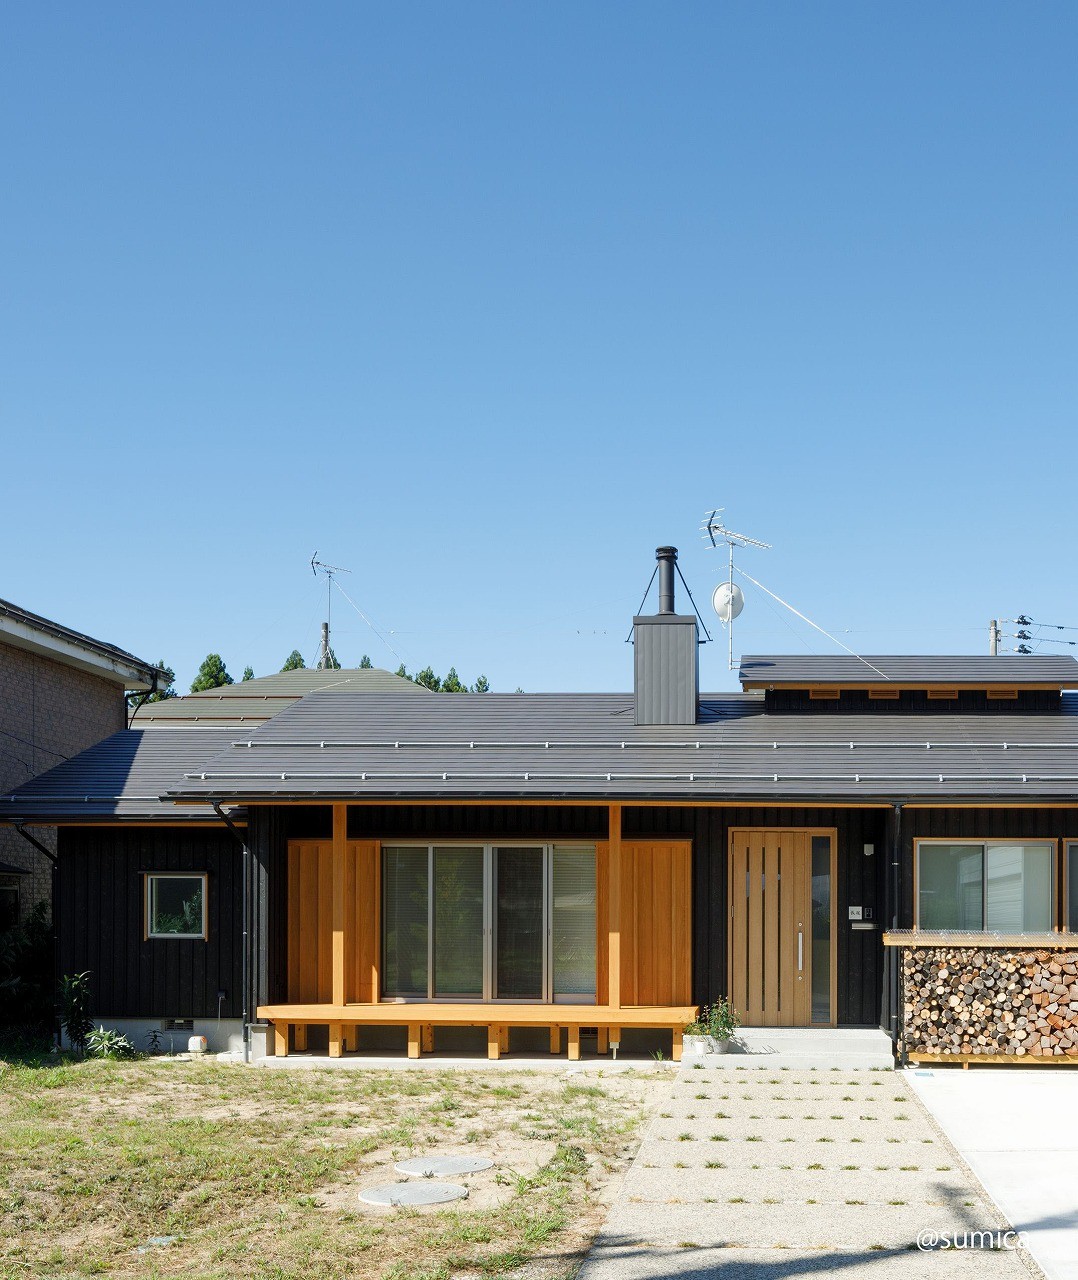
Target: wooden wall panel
[
  {"x": 656, "y": 922},
  {"x": 312, "y": 919}
]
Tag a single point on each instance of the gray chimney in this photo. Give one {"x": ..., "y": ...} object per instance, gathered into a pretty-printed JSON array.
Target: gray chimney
[{"x": 666, "y": 673}]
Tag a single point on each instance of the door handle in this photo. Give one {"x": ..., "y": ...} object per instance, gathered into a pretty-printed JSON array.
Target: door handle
[{"x": 800, "y": 951}]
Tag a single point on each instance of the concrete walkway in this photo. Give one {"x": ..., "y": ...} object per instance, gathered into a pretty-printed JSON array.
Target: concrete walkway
[
  {"x": 1018, "y": 1131},
  {"x": 805, "y": 1047},
  {"x": 773, "y": 1171}
]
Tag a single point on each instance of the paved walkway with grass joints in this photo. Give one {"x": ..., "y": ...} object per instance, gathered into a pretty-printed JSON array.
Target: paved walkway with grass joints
[{"x": 751, "y": 1172}]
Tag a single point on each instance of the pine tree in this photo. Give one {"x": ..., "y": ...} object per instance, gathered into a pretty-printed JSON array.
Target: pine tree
[
  {"x": 428, "y": 680},
  {"x": 294, "y": 662},
  {"x": 453, "y": 683},
  {"x": 248, "y": 674},
  {"x": 211, "y": 675},
  {"x": 365, "y": 663},
  {"x": 482, "y": 685}
]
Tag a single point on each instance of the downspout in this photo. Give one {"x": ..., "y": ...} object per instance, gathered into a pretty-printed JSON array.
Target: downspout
[
  {"x": 245, "y": 949},
  {"x": 133, "y": 711},
  {"x": 54, "y": 890},
  {"x": 896, "y": 885}
]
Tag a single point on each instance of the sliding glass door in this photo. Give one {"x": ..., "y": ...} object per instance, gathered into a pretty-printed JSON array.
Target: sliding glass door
[{"x": 488, "y": 922}]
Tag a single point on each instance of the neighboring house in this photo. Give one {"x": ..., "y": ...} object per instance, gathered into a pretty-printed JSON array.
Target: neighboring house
[
  {"x": 60, "y": 692},
  {"x": 366, "y": 865}
]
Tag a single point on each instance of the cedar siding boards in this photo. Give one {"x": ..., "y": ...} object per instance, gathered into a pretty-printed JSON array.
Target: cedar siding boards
[{"x": 102, "y": 923}]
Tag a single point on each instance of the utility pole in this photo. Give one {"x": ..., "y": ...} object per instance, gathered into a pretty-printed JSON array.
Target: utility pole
[
  {"x": 993, "y": 637},
  {"x": 317, "y": 567}
]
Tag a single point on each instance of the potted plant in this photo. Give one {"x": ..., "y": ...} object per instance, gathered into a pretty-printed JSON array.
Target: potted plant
[{"x": 714, "y": 1028}]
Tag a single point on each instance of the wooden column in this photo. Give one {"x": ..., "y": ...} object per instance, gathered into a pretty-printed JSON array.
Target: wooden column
[
  {"x": 613, "y": 899},
  {"x": 338, "y": 909}
]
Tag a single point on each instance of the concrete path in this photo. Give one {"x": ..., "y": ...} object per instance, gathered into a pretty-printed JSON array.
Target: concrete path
[
  {"x": 804, "y": 1047},
  {"x": 761, "y": 1173},
  {"x": 1018, "y": 1131}
]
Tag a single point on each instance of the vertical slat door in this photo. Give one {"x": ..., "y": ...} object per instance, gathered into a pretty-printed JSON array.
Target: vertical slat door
[{"x": 770, "y": 927}]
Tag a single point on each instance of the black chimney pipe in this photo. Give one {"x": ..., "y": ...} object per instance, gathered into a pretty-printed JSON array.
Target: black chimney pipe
[{"x": 667, "y": 558}]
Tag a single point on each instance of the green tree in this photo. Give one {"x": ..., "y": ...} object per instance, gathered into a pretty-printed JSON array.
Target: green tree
[
  {"x": 331, "y": 661},
  {"x": 248, "y": 674},
  {"x": 294, "y": 662},
  {"x": 453, "y": 683},
  {"x": 365, "y": 663},
  {"x": 428, "y": 679},
  {"x": 482, "y": 685},
  {"x": 403, "y": 674},
  {"x": 211, "y": 675}
]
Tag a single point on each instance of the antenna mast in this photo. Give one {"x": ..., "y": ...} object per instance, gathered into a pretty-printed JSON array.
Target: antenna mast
[
  {"x": 727, "y": 599},
  {"x": 317, "y": 567}
]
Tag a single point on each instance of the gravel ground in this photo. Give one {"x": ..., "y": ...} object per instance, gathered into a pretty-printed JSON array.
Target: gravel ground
[{"x": 763, "y": 1172}]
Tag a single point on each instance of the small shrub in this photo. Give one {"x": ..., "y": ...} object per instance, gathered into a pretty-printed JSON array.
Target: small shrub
[
  {"x": 74, "y": 1002},
  {"x": 103, "y": 1043}
]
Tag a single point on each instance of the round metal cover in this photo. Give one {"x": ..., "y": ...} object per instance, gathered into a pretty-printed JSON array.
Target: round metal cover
[
  {"x": 413, "y": 1193},
  {"x": 443, "y": 1166}
]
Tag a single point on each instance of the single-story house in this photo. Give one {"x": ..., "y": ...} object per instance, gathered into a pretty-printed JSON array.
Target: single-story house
[{"x": 884, "y": 841}]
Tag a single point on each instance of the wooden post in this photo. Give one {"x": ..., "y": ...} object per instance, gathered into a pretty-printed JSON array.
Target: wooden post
[
  {"x": 503, "y": 1039},
  {"x": 602, "y": 1039},
  {"x": 494, "y": 1043},
  {"x": 428, "y": 1038},
  {"x": 677, "y": 1046},
  {"x": 351, "y": 1037},
  {"x": 555, "y": 1039},
  {"x": 280, "y": 1039},
  {"x": 300, "y": 1037},
  {"x": 574, "y": 1044},
  {"x": 613, "y": 961},
  {"x": 340, "y": 853},
  {"x": 414, "y": 1039},
  {"x": 336, "y": 1035}
]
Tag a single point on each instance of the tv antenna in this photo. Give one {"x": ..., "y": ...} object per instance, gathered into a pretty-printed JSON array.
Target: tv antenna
[
  {"x": 317, "y": 567},
  {"x": 728, "y": 599}
]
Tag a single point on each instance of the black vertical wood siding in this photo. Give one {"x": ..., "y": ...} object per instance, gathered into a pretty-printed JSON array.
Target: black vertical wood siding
[{"x": 101, "y": 921}]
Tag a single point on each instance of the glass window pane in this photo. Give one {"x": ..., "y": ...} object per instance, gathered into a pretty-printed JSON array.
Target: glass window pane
[
  {"x": 404, "y": 921},
  {"x": 573, "y": 924},
  {"x": 458, "y": 922},
  {"x": 1072, "y": 886},
  {"x": 821, "y": 928},
  {"x": 949, "y": 886},
  {"x": 1019, "y": 887},
  {"x": 519, "y": 923},
  {"x": 176, "y": 906}
]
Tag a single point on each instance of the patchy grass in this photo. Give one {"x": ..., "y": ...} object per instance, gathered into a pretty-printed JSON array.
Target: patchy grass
[{"x": 256, "y": 1173}]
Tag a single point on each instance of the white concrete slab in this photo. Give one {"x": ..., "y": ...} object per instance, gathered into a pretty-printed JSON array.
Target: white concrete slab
[
  {"x": 1017, "y": 1129},
  {"x": 801, "y": 1048}
]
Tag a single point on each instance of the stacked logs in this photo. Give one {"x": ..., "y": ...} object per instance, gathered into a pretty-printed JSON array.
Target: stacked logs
[{"x": 962, "y": 1000}]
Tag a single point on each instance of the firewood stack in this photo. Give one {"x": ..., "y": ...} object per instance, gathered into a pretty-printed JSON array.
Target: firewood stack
[{"x": 960, "y": 1000}]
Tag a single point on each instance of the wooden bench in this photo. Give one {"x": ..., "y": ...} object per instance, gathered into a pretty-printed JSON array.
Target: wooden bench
[{"x": 343, "y": 1022}]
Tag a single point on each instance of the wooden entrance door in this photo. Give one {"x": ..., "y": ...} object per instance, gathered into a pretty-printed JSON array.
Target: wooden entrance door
[{"x": 781, "y": 927}]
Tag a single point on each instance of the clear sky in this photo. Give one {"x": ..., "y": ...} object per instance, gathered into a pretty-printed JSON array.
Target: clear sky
[{"x": 484, "y": 301}]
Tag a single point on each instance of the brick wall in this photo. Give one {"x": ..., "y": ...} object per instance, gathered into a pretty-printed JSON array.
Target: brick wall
[{"x": 48, "y": 712}]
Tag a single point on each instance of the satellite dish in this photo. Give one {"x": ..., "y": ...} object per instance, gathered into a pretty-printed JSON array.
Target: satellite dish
[{"x": 727, "y": 600}]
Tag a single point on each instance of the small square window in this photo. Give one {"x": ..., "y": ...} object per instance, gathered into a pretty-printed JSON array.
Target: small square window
[{"x": 175, "y": 906}]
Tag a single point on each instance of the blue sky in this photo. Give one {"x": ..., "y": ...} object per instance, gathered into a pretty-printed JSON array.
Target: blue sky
[{"x": 484, "y": 301}]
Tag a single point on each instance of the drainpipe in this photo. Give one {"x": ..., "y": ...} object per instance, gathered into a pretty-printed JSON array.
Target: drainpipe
[
  {"x": 245, "y": 950},
  {"x": 896, "y": 888},
  {"x": 54, "y": 890},
  {"x": 132, "y": 712}
]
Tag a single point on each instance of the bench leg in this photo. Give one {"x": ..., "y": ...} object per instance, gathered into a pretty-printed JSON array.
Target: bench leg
[
  {"x": 555, "y": 1039},
  {"x": 299, "y": 1038},
  {"x": 415, "y": 1043},
  {"x": 503, "y": 1039},
  {"x": 676, "y": 1053},
  {"x": 351, "y": 1038},
  {"x": 602, "y": 1039},
  {"x": 336, "y": 1034},
  {"x": 614, "y": 1038},
  {"x": 280, "y": 1039},
  {"x": 574, "y": 1044},
  {"x": 494, "y": 1043},
  {"x": 427, "y": 1040}
]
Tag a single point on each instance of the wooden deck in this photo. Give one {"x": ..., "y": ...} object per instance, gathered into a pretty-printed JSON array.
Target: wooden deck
[{"x": 343, "y": 1020}]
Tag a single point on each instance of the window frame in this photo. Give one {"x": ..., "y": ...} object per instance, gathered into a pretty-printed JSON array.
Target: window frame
[
  {"x": 490, "y": 977},
  {"x": 1049, "y": 842},
  {"x": 148, "y": 935},
  {"x": 1068, "y": 843}
]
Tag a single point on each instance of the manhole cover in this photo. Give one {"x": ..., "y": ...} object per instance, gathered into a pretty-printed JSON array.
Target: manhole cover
[
  {"x": 443, "y": 1166},
  {"x": 410, "y": 1193}
]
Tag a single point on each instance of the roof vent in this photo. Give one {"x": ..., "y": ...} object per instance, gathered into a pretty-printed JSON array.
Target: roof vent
[{"x": 666, "y": 673}]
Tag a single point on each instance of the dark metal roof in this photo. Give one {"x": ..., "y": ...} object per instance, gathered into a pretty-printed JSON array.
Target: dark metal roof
[
  {"x": 122, "y": 777},
  {"x": 587, "y": 745},
  {"x": 981, "y": 671},
  {"x": 255, "y": 701},
  {"x": 15, "y": 621}
]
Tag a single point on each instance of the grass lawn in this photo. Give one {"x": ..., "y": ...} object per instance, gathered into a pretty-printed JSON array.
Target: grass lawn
[{"x": 255, "y": 1172}]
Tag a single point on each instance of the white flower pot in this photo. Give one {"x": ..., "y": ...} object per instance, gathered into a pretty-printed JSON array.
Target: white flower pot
[{"x": 705, "y": 1044}]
